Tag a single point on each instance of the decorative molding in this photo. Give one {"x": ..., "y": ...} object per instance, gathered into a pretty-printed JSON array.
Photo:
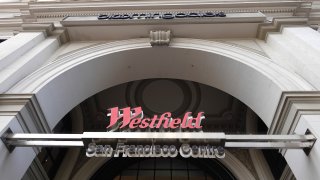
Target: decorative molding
[
  {"x": 62, "y": 63},
  {"x": 287, "y": 174},
  {"x": 304, "y": 9},
  {"x": 306, "y": 14},
  {"x": 274, "y": 6},
  {"x": 236, "y": 166},
  {"x": 49, "y": 29},
  {"x": 277, "y": 25},
  {"x": 160, "y": 38},
  {"x": 259, "y": 162},
  {"x": 259, "y": 64},
  {"x": 50, "y": 12},
  {"x": 291, "y": 107},
  {"x": 261, "y": 52},
  {"x": 61, "y": 15},
  {"x": 27, "y": 111}
]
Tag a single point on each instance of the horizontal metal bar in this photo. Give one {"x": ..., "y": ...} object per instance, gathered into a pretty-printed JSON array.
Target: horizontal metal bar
[
  {"x": 161, "y": 135},
  {"x": 46, "y": 143},
  {"x": 269, "y": 145},
  {"x": 266, "y": 137},
  {"x": 232, "y": 140},
  {"x": 155, "y": 135},
  {"x": 44, "y": 136},
  {"x": 119, "y": 135},
  {"x": 247, "y": 145}
]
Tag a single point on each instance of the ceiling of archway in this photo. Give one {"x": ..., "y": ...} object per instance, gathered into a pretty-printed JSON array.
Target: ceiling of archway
[{"x": 223, "y": 112}]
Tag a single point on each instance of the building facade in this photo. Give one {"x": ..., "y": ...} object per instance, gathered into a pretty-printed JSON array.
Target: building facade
[{"x": 252, "y": 67}]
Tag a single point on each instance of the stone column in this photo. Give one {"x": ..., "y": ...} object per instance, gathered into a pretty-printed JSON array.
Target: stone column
[{"x": 21, "y": 114}]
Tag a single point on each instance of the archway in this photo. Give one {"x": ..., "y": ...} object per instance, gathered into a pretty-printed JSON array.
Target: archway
[
  {"x": 222, "y": 111},
  {"x": 246, "y": 75},
  {"x": 71, "y": 78}
]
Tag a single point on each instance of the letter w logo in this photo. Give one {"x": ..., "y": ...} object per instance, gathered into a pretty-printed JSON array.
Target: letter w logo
[{"x": 126, "y": 115}]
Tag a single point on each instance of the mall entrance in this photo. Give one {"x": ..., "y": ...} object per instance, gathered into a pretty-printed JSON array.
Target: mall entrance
[{"x": 223, "y": 113}]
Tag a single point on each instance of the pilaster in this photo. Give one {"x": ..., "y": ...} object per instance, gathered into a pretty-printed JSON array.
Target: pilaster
[
  {"x": 25, "y": 108},
  {"x": 306, "y": 166}
]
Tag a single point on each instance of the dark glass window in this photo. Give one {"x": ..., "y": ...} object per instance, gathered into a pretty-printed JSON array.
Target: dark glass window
[{"x": 162, "y": 169}]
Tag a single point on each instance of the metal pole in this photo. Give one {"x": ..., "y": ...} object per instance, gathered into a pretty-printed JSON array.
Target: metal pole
[{"x": 230, "y": 141}]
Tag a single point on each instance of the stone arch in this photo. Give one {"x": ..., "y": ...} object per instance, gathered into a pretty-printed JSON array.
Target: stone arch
[{"x": 251, "y": 77}]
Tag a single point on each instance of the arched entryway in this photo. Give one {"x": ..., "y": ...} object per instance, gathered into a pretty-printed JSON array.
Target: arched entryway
[
  {"x": 223, "y": 113},
  {"x": 75, "y": 76},
  {"x": 70, "y": 79}
]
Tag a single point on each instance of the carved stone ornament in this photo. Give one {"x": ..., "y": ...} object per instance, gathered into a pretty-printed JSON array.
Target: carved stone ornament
[{"x": 160, "y": 38}]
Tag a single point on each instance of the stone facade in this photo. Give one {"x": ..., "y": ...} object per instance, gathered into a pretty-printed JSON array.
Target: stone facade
[{"x": 54, "y": 55}]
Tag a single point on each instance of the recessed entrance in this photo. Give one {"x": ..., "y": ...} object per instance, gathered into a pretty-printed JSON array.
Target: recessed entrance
[{"x": 223, "y": 113}]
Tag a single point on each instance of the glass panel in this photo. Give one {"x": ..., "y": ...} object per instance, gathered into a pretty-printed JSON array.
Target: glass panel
[
  {"x": 179, "y": 164},
  {"x": 191, "y": 166},
  {"x": 162, "y": 163},
  {"x": 146, "y": 174},
  {"x": 55, "y": 152},
  {"x": 163, "y": 175},
  {"x": 129, "y": 175},
  {"x": 179, "y": 175},
  {"x": 134, "y": 166},
  {"x": 163, "y": 169},
  {"x": 196, "y": 175},
  {"x": 147, "y": 164}
]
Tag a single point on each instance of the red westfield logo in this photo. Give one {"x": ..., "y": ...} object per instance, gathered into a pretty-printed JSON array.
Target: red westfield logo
[{"x": 134, "y": 118}]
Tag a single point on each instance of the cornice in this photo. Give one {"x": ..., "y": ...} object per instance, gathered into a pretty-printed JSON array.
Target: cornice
[
  {"x": 92, "y": 12},
  {"x": 161, "y": 4},
  {"x": 277, "y": 24},
  {"x": 50, "y": 10},
  {"x": 26, "y": 109},
  {"x": 283, "y": 12},
  {"x": 17, "y": 5},
  {"x": 48, "y": 29},
  {"x": 290, "y": 108}
]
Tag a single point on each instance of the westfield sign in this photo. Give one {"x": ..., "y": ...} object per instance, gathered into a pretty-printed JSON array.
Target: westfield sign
[{"x": 134, "y": 118}]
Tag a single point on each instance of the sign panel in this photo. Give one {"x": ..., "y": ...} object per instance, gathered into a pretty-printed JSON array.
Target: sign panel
[
  {"x": 163, "y": 15},
  {"x": 134, "y": 119},
  {"x": 185, "y": 150},
  {"x": 157, "y": 144}
]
